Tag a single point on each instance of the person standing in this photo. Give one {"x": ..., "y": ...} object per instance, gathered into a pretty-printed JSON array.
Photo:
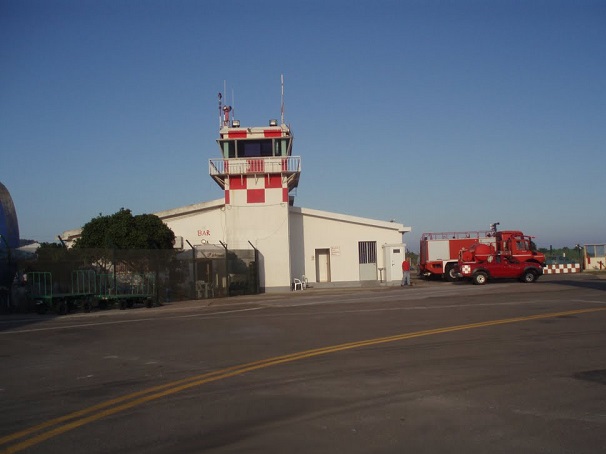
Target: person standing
[{"x": 405, "y": 273}]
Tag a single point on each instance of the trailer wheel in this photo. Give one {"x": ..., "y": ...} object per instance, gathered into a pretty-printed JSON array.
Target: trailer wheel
[
  {"x": 61, "y": 308},
  {"x": 89, "y": 303},
  {"x": 480, "y": 278},
  {"x": 529, "y": 276},
  {"x": 41, "y": 307}
]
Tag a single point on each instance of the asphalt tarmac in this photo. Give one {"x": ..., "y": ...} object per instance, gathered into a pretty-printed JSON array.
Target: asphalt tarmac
[{"x": 434, "y": 368}]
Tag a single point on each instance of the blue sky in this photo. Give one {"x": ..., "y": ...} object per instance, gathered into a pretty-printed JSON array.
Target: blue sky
[{"x": 441, "y": 115}]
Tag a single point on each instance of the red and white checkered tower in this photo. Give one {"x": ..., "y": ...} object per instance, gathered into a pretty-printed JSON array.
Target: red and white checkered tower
[{"x": 257, "y": 173}]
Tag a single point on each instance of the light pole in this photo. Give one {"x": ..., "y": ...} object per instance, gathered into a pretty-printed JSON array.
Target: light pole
[
  {"x": 579, "y": 248},
  {"x": 193, "y": 265}
]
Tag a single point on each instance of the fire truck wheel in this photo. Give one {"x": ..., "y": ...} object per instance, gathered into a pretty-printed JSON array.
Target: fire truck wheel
[
  {"x": 450, "y": 273},
  {"x": 529, "y": 276},
  {"x": 480, "y": 278}
]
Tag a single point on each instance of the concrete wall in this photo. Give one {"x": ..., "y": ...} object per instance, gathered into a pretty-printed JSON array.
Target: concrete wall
[
  {"x": 266, "y": 228},
  {"x": 340, "y": 234},
  {"x": 202, "y": 223}
]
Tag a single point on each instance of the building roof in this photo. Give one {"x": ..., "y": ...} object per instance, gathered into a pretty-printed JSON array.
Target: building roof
[
  {"x": 185, "y": 211},
  {"x": 198, "y": 208},
  {"x": 351, "y": 219},
  {"x": 188, "y": 210}
]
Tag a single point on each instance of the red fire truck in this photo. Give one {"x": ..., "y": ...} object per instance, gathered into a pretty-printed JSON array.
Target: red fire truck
[{"x": 439, "y": 252}]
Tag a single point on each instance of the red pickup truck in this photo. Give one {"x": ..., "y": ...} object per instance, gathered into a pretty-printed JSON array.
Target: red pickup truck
[{"x": 499, "y": 267}]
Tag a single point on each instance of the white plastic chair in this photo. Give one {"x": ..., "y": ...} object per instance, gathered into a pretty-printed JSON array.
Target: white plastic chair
[{"x": 297, "y": 284}]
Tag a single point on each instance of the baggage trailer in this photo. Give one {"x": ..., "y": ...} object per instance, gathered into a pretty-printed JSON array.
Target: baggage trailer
[
  {"x": 126, "y": 289},
  {"x": 89, "y": 290},
  {"x": 49, "y": 295}
]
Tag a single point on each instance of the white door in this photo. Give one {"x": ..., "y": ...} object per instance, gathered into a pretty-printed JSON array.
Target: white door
[
  {"x": 394, "y": 255},
  {"x": 322, "y": 265}
]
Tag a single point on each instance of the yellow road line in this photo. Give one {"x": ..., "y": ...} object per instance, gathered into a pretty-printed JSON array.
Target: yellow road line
[{"x": 96, "y": 412}]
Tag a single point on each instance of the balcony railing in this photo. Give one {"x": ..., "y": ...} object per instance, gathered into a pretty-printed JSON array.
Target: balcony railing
[{"x": 248, "y": 166}]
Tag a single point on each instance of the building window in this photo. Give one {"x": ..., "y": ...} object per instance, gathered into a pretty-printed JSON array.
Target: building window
[
  {"x": 367, "y": 251},
  {"x": 228, "y": 148},
  {"x": 595, "y": 250},
  {"x": 254, "y": 148}
]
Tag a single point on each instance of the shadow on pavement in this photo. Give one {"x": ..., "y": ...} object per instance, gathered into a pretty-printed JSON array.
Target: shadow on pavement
[
  {"x": 585, "y": 281},
  {"x": 19, "y": 320}
]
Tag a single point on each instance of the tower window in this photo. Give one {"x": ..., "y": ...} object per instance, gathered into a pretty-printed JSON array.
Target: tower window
[{"x": 254, "y": 148}]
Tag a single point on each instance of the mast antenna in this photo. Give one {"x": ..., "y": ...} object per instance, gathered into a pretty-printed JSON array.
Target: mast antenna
[
  {"x": 220, "y": 109},
  {"x": 224, "y": 110},
  {"x": 282, "y": 100}
]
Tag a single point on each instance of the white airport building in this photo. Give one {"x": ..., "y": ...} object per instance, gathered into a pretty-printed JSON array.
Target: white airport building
[{"x": 258, "y": 173}]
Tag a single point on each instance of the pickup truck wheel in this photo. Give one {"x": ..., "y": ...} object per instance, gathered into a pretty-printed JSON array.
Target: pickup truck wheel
[
  {"x": 529, "y": 276},
  {"x": 480, "y": 278}
]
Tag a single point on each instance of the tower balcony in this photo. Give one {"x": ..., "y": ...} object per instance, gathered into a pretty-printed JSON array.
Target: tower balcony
[{"x": 289, "y": 166}]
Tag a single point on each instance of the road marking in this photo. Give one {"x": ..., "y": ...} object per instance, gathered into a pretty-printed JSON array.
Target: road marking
[
  {"x": 134, "y": 320},
  {"x": 71, "y": 421},
  {"x": 588, "y": 301}
]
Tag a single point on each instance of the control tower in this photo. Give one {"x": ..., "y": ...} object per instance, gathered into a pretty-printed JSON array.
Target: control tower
[{"x": 258, "y": 174}]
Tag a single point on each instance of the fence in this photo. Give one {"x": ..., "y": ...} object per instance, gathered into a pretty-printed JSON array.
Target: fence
[{"x": 207, "y": 271}]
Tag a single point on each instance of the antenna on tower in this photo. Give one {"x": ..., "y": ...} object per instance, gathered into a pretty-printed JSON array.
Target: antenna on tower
[
  {"x": 220, "y": 110},
  {"x": 224, "y": 110},
  {"x": 282, "y": 100}
]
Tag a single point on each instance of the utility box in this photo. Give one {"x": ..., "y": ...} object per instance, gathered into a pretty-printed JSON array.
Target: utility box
[{"x": 393, "y": 255}]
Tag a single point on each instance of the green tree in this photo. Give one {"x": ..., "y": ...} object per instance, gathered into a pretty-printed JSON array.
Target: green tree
[
  {"x": 413, "y": 257},
  {"x": 140, "y": 242},
  {"x": 122, "y": 230},
  {"x": 571, "y": 253},
  {"x": 50, "y": 252}
]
